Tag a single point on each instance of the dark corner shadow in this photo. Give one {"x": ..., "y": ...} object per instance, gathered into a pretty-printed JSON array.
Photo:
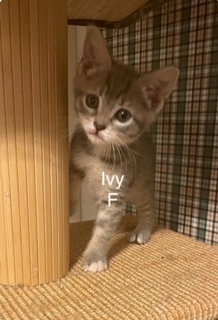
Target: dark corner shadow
[
  {"x": 117, "y": 247},
  {"x": 80, "y": 234}
]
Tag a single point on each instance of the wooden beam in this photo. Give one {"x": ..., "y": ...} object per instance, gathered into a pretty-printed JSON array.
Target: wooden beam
[{"x": 139, "y": 13}]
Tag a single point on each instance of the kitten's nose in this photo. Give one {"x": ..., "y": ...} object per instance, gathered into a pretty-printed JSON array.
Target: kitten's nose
[{"x": 99, "y": 126}]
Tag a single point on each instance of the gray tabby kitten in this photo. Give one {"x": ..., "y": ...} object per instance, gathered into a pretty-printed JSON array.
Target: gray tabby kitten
[{"x": 116, "y": 107}]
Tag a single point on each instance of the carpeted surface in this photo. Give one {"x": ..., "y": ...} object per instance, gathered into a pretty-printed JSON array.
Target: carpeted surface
[{"x": 172, "y": 277}]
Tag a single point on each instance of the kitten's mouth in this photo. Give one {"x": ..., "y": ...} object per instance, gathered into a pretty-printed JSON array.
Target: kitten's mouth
[{"x": 95, "y": 137}]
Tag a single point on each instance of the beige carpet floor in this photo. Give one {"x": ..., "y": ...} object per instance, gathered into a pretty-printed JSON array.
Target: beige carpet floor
[{"x": 172, "y": 277}]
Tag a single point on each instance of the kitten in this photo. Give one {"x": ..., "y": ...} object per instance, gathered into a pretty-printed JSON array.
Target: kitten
[{"x": 116, "y": 107}]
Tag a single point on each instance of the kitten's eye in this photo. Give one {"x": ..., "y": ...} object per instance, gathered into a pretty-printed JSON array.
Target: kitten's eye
[
  {"x": 123, "y": 115},
  {"x": 92, "y": 101}
]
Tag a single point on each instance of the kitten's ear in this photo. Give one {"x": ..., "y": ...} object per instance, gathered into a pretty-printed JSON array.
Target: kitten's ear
[
  {"x": 95, "y": 53},
  {"x": 158, "y": 85}
]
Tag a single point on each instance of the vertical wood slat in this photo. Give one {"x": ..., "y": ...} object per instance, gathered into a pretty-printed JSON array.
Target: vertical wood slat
[{"x": 34, "y": 212}]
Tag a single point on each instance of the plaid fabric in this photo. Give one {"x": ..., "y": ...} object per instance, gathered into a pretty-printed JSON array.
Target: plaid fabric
[{"x": 185, "y": 34}]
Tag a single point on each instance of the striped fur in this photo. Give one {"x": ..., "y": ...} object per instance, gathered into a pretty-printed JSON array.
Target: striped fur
[{"x": 118, "y": 149}]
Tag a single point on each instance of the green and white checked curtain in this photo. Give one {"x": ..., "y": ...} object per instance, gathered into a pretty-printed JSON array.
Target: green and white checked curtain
[{"x": 184, "y": 34}]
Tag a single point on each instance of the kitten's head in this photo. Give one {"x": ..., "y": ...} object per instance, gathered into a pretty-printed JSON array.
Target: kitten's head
[{"x": 114, "y": 103}]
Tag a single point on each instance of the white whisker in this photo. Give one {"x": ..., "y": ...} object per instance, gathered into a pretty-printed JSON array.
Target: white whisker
[{"x": 130, "y": 153}]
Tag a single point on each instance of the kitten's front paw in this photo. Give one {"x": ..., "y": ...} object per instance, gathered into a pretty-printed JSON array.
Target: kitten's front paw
[
  {"x": 95, "y": 266},
  {"x": 140, "y": 235},
  {"x": 94, "y": 263}
]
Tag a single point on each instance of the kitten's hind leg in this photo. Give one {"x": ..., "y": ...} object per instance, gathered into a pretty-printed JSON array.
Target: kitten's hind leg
[
  {"x": 146, "y": 215},
  {"x": 95, "y": 255}
]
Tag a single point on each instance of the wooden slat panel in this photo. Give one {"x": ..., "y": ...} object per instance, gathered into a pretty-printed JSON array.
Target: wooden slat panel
[{"x": 34, "y": 200}]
